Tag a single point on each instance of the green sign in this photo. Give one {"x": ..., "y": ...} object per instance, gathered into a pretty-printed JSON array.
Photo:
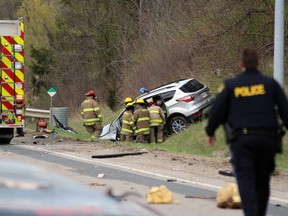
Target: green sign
[{"x": 51, "y": 92}]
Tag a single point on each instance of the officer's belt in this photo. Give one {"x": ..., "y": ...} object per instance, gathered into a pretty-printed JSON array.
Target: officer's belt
[{"x": 262, "y": 132}]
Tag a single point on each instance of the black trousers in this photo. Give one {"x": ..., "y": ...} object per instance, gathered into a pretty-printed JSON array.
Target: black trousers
[{"x": 253, "y": 160}]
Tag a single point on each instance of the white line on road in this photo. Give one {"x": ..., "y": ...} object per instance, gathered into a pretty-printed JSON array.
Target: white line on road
[{"x": 142, "y": 171}]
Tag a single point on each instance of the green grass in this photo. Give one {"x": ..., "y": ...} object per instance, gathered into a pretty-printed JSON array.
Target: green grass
[{"x": 191, "y": 141}]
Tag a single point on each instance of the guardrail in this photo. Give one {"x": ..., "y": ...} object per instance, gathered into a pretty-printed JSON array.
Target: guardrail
[{"x": 37, "y": 113}]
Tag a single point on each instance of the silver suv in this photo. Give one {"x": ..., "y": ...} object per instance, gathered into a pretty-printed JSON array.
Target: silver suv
[{"x": 185, "y": 101}]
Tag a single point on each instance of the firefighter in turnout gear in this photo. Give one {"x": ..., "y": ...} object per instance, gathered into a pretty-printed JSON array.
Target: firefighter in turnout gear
[
  {"x": 141, "y": 121},
  {"x": 127, "y": 133},
  {"x": 91, "y": 115},
  {"x": 157, "y": 121}
]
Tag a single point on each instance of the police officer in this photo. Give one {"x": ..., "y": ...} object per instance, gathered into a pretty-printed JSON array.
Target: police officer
[{"x": 248, "y": 104}]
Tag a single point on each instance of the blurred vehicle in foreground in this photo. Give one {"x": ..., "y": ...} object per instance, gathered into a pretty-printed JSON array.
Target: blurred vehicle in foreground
[{"x": 26, "y": 190}]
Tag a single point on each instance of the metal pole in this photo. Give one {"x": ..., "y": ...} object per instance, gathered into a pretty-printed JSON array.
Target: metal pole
[
  {"x": 279, "y": 42},
  {"x": 51, "y": 115}
]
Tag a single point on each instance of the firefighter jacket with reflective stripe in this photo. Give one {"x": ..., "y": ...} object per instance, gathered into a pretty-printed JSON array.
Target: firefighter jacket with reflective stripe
[
  {"x": 127, "y": 123},
  {"x": 157, "y": 116},
  {"x": 141, "y": 120},
  {"x": 90, "y": 112}
]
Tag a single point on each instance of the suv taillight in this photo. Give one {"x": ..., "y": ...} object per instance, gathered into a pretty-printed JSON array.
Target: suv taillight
[{"x": 186, "y": 99}]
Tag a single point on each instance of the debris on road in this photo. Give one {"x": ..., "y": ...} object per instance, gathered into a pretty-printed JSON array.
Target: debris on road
[
  {"x": 228, "y": 196},
  {"x": 171, "y": 180},
  {"x": 119, "y": 154},
  {"x": 100, "y": 175},
  {"x": 200, "y": 197},
  {"x": 40, "y": 136},
  {"x": 159, "y": 195},
  {"x": 226, "y": 173},
  {"x": 95, "y": 184}
]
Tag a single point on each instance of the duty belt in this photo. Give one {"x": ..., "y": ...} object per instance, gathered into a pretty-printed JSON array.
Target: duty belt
[{"x": 262, "y": 132}]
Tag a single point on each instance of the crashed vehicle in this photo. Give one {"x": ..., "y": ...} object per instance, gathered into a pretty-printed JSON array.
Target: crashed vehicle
[
  {"x": 27, "y": 190},
  {"x": 185, "y": 101}
]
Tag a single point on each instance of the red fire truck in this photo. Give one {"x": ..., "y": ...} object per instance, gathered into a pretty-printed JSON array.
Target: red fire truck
[{"x": 12, "y": 78}]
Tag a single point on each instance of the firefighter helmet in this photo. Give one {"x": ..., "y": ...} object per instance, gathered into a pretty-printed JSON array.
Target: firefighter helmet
[
  {"x": 91, "y": 93},
  {"x": 129, "y": 105},
  {"x": 143, "y": 90},
  {"x": 140, "y": 101},
  {"x": 128, "y": 100}
]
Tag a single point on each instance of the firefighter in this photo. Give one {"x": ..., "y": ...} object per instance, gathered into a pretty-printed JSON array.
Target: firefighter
[
  {"x": 157, "y": 121},
  {"x": 90, "y": 112},
  {"x": 128, "y": 100},
  {"x": 141, "y": 122},
  {"x": 126, "y": 133}
]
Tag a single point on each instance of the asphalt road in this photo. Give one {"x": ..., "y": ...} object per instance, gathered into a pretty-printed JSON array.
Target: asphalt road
[{"x": 121, "y": 180}]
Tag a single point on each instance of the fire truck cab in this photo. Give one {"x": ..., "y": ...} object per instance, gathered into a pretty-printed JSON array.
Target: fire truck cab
[{"x": 12, "y": 105}]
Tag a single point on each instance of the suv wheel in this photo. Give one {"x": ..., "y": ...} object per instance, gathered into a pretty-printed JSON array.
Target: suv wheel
[{"x": 178, "y": 124}]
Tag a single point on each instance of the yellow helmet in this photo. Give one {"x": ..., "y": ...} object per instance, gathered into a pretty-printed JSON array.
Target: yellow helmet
[
  {"x": 129, "y": 105},
  {"x": 128, "y": 100},
  {"x": 140, "y": 101}
]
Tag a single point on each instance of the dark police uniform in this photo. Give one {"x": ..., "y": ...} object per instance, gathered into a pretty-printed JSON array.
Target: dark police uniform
[{"x": 248, "y": 104}]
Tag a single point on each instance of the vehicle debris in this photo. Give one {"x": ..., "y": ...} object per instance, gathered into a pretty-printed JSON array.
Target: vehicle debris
[
  {"x": 171, "y": 180},
  {"x": 63, "y": 127},
  {"x": 40, "y": 136},
  {"x": 101, "y": 175},
  {"x": 159, "y": 195},
  {"x": 119, "y": 154},
  {"x": 226, "y": 173},
  {"x": 200, "y": 197}
]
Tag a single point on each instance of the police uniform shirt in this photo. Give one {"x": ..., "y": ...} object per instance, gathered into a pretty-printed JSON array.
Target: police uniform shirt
[{"x": 249, "y": 100}]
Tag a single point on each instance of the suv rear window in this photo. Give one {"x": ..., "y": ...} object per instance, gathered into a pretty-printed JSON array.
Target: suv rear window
[
  {"x": 167, "y": 95},
  {"x": 192, "y": 86}
]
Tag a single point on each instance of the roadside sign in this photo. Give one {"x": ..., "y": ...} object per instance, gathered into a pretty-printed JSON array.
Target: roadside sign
[{"x": 51, "y": 92}]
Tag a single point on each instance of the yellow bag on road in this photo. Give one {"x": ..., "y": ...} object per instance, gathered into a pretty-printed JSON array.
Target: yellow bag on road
[
  {"x": 159, "y": 195},
  {"x": 228, "y": 196}
]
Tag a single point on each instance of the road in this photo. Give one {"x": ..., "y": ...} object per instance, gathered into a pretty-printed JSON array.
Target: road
[{"x": 124, "y": 178}]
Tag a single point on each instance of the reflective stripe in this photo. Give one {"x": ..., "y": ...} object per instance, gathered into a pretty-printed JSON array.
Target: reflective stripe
[
  {"x": 126, "y": 122},
  {"x": 154, "y": 111},
  {"x": 147, "y": 130},
  {"x": 126, "y": 130},
  {"x": 159, "y": 140},
  {"x": 156, "y": 120},
  {"x": 143, "y": 119},
  {"x": 91, "y": 120},
  {"x": 90, "y": 109}
]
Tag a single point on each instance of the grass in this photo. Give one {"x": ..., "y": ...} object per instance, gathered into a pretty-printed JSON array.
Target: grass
[{"x": 191, "y": 141}]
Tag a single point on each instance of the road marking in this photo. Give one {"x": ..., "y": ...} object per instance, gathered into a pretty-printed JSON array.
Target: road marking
[{"x": 142, "y": 171}]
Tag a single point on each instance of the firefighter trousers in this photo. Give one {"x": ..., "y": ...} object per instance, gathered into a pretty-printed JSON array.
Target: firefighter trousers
[
  {"x": 94, "y": 130},
  {"x": 126, "y": 137},
  {"x": 142, "y": 137},
  {"x": 156, "y": 132}
]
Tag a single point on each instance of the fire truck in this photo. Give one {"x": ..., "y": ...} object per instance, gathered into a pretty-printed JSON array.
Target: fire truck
[{"x": 12, "y": 78}]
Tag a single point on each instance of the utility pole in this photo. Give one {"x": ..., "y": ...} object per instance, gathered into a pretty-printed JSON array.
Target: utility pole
[{"x": 279, "y": 42}]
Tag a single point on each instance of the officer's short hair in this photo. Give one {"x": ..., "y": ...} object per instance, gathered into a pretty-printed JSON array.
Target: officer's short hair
[{"x": 250, "y": 58}]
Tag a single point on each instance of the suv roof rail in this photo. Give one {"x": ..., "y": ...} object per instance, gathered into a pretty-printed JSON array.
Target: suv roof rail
[{"x": 167, "y": 85}]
